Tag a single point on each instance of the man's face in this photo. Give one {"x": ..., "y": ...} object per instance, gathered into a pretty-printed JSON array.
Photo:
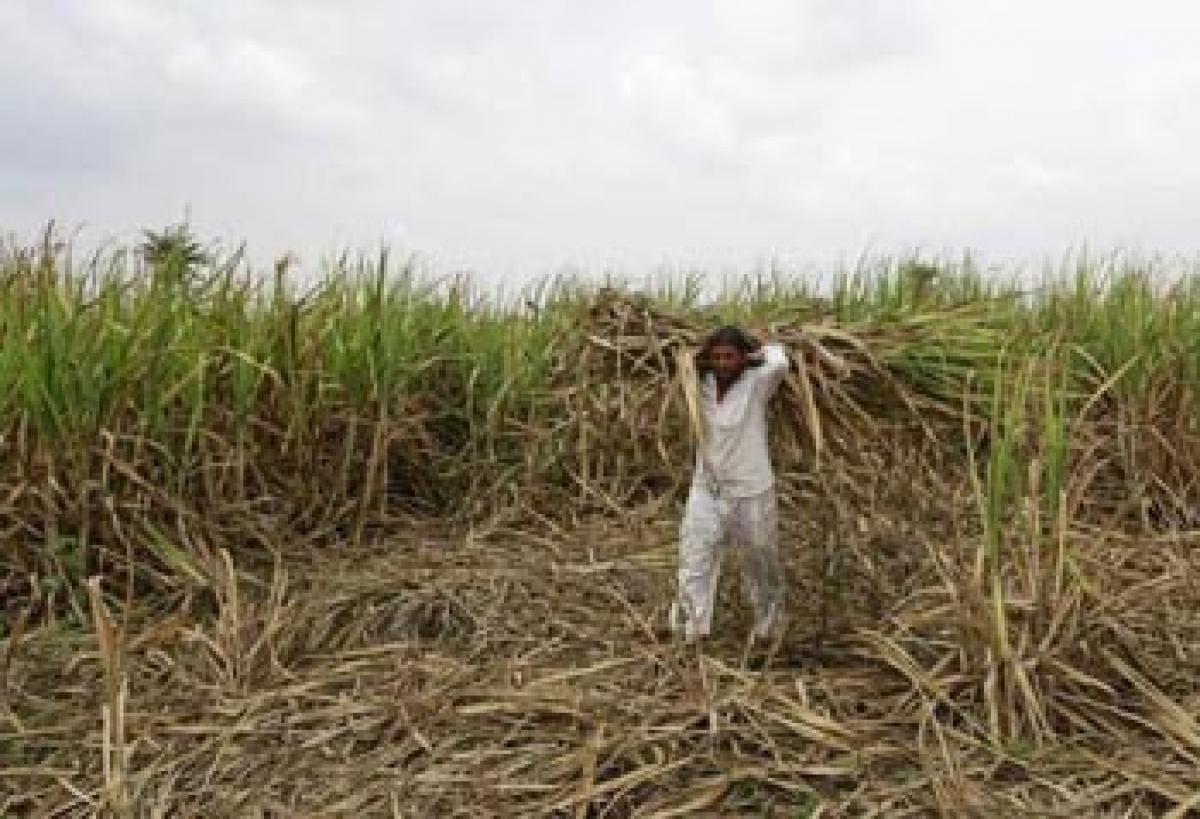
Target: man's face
[{"x": 727, "y": 362}]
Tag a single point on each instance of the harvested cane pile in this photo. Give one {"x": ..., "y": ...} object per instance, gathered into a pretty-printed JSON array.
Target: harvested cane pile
[
  {"x": 629, "y": 397},
  {"x": 962, "y": 643}
]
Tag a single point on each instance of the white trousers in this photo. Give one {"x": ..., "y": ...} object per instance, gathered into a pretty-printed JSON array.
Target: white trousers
[{"x": 750, "y": 527}]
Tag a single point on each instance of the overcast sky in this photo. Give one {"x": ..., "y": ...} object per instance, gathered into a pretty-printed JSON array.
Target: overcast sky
[{"x": 517, "y": 137}]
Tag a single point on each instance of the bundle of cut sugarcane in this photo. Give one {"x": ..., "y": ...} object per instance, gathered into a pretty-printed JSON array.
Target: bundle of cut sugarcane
[{"x": 846, "y": 382}]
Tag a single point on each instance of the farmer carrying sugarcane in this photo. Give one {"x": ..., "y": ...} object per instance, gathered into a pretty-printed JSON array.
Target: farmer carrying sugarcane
[{"x": 732, "y": 497}]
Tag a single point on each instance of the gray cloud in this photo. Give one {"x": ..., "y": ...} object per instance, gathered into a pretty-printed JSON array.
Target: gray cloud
[{"x": 515, "y": 137}]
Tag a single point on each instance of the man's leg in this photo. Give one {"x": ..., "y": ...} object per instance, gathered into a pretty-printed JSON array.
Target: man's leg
[
  {"x": 699, "y": 542},
  {"x": 754, "y": 529}
]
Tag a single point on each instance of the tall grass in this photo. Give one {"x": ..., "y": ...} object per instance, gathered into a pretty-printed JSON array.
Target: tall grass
[
  {"x": 84, "y": 342},
  {"x": 144, "y": 384}
]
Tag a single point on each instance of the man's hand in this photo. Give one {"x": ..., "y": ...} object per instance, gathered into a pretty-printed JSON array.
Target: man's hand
[{"x": 760, "y": 336}]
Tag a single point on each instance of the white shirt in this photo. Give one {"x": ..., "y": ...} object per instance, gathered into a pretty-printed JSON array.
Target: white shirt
[{"x": 736, "y": 458}]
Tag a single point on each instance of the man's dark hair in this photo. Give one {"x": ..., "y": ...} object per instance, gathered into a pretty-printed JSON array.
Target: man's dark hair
[{"x": 729, "y": 336}]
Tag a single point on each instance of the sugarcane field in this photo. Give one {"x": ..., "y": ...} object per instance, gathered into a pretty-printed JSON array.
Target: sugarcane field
[{"x": 379, "y": 544}]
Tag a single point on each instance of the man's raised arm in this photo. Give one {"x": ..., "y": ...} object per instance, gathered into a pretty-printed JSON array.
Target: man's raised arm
[{"x": 775, "y": 361}]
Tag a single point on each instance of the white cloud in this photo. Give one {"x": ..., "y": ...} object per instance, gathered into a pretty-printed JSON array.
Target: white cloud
[{"x": 521, "y": 136}]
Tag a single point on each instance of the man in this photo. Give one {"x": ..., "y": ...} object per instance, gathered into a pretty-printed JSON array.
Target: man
[{"x": 732, "y": 497}]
